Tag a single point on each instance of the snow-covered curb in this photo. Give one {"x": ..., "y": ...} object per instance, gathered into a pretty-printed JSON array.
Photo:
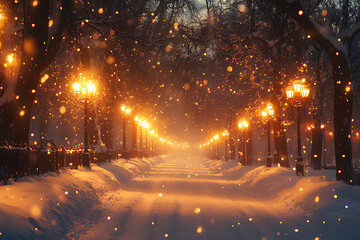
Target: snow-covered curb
[{"x": 48, "y": 205}]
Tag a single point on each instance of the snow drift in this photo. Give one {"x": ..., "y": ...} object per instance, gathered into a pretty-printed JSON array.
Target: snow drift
[{"x": 47, "y": 206}]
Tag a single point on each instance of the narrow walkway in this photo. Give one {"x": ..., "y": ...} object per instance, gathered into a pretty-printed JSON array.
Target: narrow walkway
[{"x": 182, "y": 199}]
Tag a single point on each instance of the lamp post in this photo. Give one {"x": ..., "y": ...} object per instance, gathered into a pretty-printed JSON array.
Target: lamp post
[
  {"x": 85, "y": 89},
  {"x": 146, "y": 126},
  {"x": 126, "y": 112},
  {"x": 245, "y": 135},
  {"x": 225, "y": 135},
  {"x": 240, "y": 146},
  {"x": 322, "y": 127},
  {"x": 216, "y": 140},
  {"x": 152, "y": 135},
  {"x": 268, "y": 113},
  {"x": 243, "y": 125},
  {"x": 297, "y": 93}
]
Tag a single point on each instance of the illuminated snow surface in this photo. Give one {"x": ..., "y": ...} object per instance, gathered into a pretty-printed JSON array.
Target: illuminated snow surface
[{"x": 180, "y": 197}]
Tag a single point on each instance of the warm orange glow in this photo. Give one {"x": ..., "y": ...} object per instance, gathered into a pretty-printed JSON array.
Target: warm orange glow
[
  {"x": 297, "y": 86},
  {"x": 90, "y": 87},
  {"x": 125, "y": 109},
  {"x": 10, "y": 58},
  {"x": 245, "y": 124},
  {"x": 83, "y": 86},
  {"x": 76, "y": 87},
  {"x": 305, "y": 92},
  {"x": 269, "y": 106},
  {"x": 289, "y": 93}
]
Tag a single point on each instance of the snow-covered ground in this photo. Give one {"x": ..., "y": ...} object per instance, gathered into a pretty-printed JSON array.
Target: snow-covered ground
[{"x": 180, "y": 197}]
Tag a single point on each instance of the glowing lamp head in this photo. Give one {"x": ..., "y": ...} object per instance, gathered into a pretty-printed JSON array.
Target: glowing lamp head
[
  {"x": 269, "y": 106},
  {"x": 264, "y": 114},
  {"x": 322, "y": 126},
  {"x": 240, "y": 125},
  {"x": 271, "y": 112},
  {"x": 76, "y": 87},
  {"x": 289, "y": 92},
  {"x": 245, "y": 124},
  {"x": 90, "y": 88},
  {"x": 128, "y": 110},
  {"x": 225, "y": 133},
  {"x": 145, "y": 124},
  {"x": 123, "y": 108},
  {"x": 297, "y": 86},
  {"x": 10, "y": 58},
  {"x": 216, "y": 137},
  {"x": 305, "y": 92}
]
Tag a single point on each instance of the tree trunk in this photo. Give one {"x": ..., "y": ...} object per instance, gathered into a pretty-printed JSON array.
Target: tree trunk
[
  {"x": 35, "y": 34},
  {"x": 36, "y": 56}
]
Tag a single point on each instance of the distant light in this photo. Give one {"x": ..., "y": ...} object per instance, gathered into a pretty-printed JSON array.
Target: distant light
[
  {"x": 197, "y": 210},
  {"x": 10, "y": 58}
]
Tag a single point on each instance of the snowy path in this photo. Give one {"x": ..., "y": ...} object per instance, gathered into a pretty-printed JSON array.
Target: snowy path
[{"x": 181, "y": 198}]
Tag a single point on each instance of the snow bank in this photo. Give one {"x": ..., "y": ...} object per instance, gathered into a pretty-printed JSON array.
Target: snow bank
[
  {"x": 316, "y": 206},
  {"x": 49, "y": 205}
]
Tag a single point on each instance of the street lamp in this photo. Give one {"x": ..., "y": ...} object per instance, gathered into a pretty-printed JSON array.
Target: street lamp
[
  {"x": 268, "y": 113},
  {"x": 243, "y": 125},
  {"x": 216, "y": 139},
  {"x": 225, "y": 135},
  {"x": 297, "y": 93},
  {"x": 9, "y": 59},
  {"x": 146, "y": 126},
  {"x": 85, "y": 89},
  {"x": 126, "y": 112}
]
